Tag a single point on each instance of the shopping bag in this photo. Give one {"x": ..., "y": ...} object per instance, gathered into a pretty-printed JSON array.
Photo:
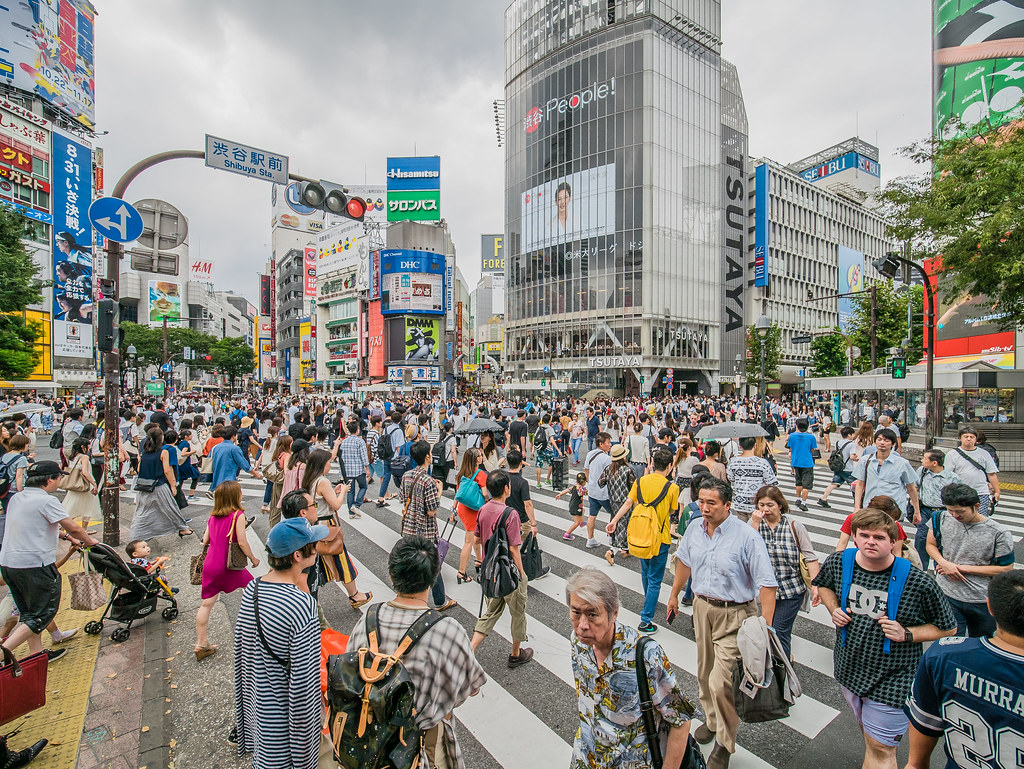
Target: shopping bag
[
  {"x": 532, "y": 557},
  {"x": 22, "y": 685},
  {"x": 195, "y": 570},
  {"x": 87, "y": 593}
]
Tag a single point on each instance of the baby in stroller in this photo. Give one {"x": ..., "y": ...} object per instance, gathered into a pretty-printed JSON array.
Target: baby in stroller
[
  {"x": 136, "y": 587},
  {"x": 139, "y": 551}
]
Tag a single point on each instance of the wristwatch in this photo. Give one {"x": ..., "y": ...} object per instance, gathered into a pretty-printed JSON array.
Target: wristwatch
[{"x": 908, "y": 635}]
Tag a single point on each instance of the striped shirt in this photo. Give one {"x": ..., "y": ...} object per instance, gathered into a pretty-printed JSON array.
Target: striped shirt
[{"x": 278, "y": 711}]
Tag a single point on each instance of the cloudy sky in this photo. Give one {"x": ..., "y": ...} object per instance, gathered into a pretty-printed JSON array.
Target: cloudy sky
[{"x": 338, "y": 85}]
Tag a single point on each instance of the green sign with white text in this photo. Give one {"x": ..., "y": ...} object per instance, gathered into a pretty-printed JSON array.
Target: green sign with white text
[{"x": 414, "y": 206}]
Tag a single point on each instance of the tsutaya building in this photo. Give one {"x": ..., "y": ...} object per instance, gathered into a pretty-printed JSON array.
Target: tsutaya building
[{"x": 626, "y": 147}]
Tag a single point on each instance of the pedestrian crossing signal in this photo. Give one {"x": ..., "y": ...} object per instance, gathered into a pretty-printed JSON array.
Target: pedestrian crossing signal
[{"x": 899, "y": 368}]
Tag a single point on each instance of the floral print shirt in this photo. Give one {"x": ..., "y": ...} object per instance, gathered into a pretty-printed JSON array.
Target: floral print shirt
[{"x": 611, "y": 732}]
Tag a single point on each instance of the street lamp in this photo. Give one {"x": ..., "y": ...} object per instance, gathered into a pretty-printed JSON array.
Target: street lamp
[
  {"x": 761, "y": 327},
  {"x": 133, "y": 355},
  {"x": 887, "y": 267}
]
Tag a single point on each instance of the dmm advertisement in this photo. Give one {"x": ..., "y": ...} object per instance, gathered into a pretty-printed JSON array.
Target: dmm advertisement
[
  {"x": 164, "y": 302},
  {"x": 574, "y": 207},
  {"x": 72, "y": 249},
  {"x": 851, "y": 278},
  {"x": 48, "y": 51},
  {"x": 978, "y": 56},
  {"x": 412, "y": 282},
  {"x": 422, "y": 338}
]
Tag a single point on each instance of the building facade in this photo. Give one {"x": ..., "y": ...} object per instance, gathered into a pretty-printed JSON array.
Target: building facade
[{"x": 613, "y": 193}]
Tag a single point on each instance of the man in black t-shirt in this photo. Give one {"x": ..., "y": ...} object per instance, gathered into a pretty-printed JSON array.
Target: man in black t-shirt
[
  {"x": 519, "y": 498},
  {"x": 876, "y": 681},
  {"x": 517, "y": 433},
  {"x": 532, "y": 420}
]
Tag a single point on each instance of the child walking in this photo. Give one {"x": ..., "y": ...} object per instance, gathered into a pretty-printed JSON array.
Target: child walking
[{"x": 576, "y": 494}]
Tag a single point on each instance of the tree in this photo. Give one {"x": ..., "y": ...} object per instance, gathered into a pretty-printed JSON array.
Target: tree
[
  {"x": 19, "y": 288},
  {"x": 829, "y": 354},
  {"x": 967, "y": 207},
  {"x": 233, "y": 357},
  {"x": 772, "y": 354},
  {"x": 891, "y": 323},
  {"x": 149, "y": 344}
]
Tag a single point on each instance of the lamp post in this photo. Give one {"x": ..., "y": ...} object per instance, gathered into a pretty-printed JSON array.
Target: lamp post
[
  {"x": 133, "y": 356},
  {"x": 761, "y": 327},
  {"x": 887, "y": 267}
]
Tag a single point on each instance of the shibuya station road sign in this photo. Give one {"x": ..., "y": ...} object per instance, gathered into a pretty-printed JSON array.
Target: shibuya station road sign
[{"x": 248, "y": 161}]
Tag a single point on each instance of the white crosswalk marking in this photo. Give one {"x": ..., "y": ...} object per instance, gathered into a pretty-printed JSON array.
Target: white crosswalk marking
[{"x": 533, "y": 742}]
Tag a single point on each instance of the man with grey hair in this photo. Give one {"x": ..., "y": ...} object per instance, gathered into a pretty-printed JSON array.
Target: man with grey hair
[{"x": 609, "y": 705}]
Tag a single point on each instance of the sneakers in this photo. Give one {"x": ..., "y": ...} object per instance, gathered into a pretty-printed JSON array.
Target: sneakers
[
  {"x": 823, "y": 503},
  {"x": 686, "y": 601},
  {"x": 249, "y": 521},
  {"x": 55, "y": 654},
  {"x": 355, "y": 513},
  {"x": 524, "y": 656},
  {"x": 569, "y": 536},
  {"x": 543, "y": 573},
  {"x": 803, "y": 505},
  {"x": 63, "y": 635},
  {"x": 592, "y": 543},
  {"x": 647, "y": 628}
]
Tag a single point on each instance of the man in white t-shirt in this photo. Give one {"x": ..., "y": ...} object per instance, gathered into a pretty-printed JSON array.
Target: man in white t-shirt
[
  {"x": 975, "y": 467},
  {"x": 597, "y": 461}
]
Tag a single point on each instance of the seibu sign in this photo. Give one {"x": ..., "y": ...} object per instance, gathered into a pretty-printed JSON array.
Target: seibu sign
[{"x": 589, "y": 95}]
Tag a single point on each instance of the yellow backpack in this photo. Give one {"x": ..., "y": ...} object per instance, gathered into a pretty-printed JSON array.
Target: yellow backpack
[{"x": 643, "y": 535}]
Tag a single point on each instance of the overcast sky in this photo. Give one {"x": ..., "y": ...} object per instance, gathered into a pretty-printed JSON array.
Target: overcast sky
[{"x": 338, "y": 85}]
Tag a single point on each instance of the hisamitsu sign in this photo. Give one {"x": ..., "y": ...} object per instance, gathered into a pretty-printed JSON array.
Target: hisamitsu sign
[{"x": 248, "y": 161}]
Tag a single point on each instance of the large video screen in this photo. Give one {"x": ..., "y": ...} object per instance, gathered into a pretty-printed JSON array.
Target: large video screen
[
  {"x": 574, "y": 207},
  {"x": 404, "y": 292}
]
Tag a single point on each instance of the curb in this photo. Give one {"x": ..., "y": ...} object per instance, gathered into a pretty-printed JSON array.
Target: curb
[{"x": 155, "y": 741}]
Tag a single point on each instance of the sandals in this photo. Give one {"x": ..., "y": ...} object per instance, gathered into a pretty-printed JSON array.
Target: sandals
[
  {"x": 462, "y": 576},
  {"x": 202, "y": 652},
  {"x": 355, "y": 604},
  {"x": 449, "y": 604},
  {"x": 610, "y": 557}
]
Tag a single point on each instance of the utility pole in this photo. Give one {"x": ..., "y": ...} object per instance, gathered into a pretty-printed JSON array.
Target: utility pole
[
  {"x": 874, "y": 326},
  {"x": 167, "y": 387}
]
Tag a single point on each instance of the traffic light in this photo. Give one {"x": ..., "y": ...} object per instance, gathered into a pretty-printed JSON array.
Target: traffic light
[
  {"x": 332, "y": 198},
  {"x": 899, "y": 368},
  {"x": 106, "y": 325},
  {"x": 641, "y": 380}
]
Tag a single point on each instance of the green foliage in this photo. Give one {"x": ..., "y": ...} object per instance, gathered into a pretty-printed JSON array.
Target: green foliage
[
  {"x": 233, "y": 357},
  {"x": 967, "y": 206},
  {"x": 772, "y": 354},
  {"x": 891, "y": 325},
  {"x": 829, "y": 354},
  {"x": 19, "y": 355},
  {"x": 149, "y": 344},
  {"x": 19, "y": 288}
]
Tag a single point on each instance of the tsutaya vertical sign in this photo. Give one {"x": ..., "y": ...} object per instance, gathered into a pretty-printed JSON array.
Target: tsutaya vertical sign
[
  {"x": 761, "y": 224},
  {"x": 734, "y": 250},
  {"x": 449, "y": 293}
]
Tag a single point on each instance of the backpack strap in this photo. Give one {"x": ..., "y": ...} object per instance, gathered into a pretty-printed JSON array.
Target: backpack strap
[
  {"x": 259, "y": 627},
  {"x": 849, "y": 554},
  {"x": 937, "y": 528},
  {"x": 897, "y": 581},
  {"x": 647, "y": 704},
  {"x": 416, "y": 631}
]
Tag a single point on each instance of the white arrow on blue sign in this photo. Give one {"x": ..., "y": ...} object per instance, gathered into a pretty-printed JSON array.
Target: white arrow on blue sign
[
  {"x": 115, "y": 219},
  {"x": 167, "y": 367}
]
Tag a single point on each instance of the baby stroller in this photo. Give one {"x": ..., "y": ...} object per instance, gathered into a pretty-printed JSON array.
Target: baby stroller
[{"x": 135, "y": 592}]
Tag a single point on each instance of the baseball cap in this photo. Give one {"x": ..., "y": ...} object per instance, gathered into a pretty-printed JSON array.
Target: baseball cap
[
  {"x": 299, "y": 444},
  {"x": 293, "y": 534},
  {"x": 44, "y": 468}
]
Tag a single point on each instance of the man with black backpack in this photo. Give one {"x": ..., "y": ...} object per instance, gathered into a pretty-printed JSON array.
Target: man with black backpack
[
  {"x": 502, "y": 575},
  {"x": 388, "y": 445}
]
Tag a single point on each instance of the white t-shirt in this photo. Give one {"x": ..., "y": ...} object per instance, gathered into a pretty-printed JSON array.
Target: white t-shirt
[
  {"x": 596, "y": 463},
  {"x": 30, "y": 536},
  {"x": 967, "y": 472}
]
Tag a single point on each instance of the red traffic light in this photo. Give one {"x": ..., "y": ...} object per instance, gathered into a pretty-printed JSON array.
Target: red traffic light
[
  {"x": 356, "y": 208},
  {"x": 207, "y": 357}
]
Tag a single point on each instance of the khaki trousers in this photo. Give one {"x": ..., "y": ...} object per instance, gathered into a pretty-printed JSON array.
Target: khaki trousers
[
  {"x": 717, "y": 652},
  {"x": 516, "y": 602}
]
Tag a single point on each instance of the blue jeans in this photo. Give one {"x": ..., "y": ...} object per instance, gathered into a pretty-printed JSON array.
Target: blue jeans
[
  {"x": 267, "y": 492},
  {"x": 385, "y": 480},
  {"x": 972, "y": 619},
  {"x": 591, "y": 443},
  {"x": 355, "y": 498},
  {"x": 437, "y": 591},
  {"x": 576, "y": 450},
  {"x": 652, "y": 570},
  {"x": 786, "y": 610}
]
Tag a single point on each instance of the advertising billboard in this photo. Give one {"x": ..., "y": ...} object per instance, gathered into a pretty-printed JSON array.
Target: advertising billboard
[
  {"x": 847, "y": 162},
  {"x": 376, "y": 354},
  {"x": 416, "y": 173},
  {"x": 420, "y": 374},
  {"x": 342, "y": 247},
  {"x": 422, "y": 338},
  {"x": 48, "y": 51},
  {"x": 498, "y": 293},
  {"x": 761, "y": 225},
  {"x": 72, "y": 249},
  {"x": 309, "y": 268},
  {"x": 265, "y": 303},
  {"x": 164, "y": 302},
  {"x": 412, "y": 282},
  {"x": 200, "y": 270},
  {"x": 577, "y": 206},
  {"x": 376, "y": 197},
  {"x": 291, "y": 213},
  {"x": 851, "y": 278},
  {"x": 492, "y": 253},
  {"x": 306, "y": 375},
  {"x": 414, "y": 206},
  {"x": 374, "y": 275},
  {"x": 977, "y": 58},
  {"x": 24, "y": 162}
]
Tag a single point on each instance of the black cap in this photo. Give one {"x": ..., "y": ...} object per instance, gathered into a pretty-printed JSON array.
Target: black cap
[
  {"x": 44, "y": 469},
  {"x": 299, "y": 444}
]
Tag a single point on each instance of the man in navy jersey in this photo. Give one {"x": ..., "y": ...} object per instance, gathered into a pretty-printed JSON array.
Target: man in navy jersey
[{"x": 970, "y": 691}]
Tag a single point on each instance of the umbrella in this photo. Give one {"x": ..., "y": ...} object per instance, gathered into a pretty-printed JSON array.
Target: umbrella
[
  {"x": 727, "y": 430},
  {"x": 509, "y": 412},
  {"x": 596, "y": 394},
  {"x": 478, "y": 426},
  {"x": 25, "y": 408}
]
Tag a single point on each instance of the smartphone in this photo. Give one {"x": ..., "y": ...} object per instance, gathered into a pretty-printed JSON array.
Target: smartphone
[{"x": 671, "y": 616}]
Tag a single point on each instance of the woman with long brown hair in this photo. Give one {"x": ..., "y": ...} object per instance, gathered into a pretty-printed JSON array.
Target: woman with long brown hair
[
  {"x": 470, "y": 468},
  {"x": 274, "y": 473},
  {"x": 226, "y": 525}
]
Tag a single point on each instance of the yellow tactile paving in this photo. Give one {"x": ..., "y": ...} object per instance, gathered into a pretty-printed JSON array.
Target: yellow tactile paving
[{"x": 67, "y": 688}]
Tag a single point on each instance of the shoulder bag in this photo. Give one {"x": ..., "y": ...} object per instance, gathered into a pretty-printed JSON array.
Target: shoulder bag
[
  {"x": 259, "y": 628},
  {"x": 87, "y": 592},
  {"x": 274, "y": 473},
  {"x": 75, "y": 480},
  {"x": 195, "y": 569},
  {"x": 469, "y": 493},
  {"x": 237, "y": 560},
  {"x": 805, "y": 572},
  {"x": 22, "y": 685},
  {"x": 692, "y": 758}
]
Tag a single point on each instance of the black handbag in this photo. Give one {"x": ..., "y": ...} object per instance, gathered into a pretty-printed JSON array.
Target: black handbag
[
  {"x": 146, "y": 484},
  {"x": 692, "y": 758},
  {"x": 768, "y": 704},
  {"x": 532, "y": 557}
]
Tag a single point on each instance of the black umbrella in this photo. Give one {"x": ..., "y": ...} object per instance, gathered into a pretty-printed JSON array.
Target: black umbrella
[
  {"x": 728, "y": 430},
  {"x": 478, "y": 426}
]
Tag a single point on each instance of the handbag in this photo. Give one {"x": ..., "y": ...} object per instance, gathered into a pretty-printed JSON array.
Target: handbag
[
  {"x": 206, "y": 468},
  {"x": 532, "y": 557},
  {"x": 274, "y": 473},
  {"x": 815, "y": 453},
  {"x": 469, "y": 494},
  {"x": 768, "y": 703},
  {"x": 237, "y": 560},
  {"x": 692, "y": 758},
  {"x": 146, "y": 484},
  {"x": 805, "y": 572},
  {"x": 22, "y": 685},
  {"x": 195, "y": 569},
  {"x": 75, "y": 480},
  {"x": 87, "y": 592}
]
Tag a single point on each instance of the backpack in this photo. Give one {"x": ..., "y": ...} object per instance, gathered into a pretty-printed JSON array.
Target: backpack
[
  {"x": 836, "y": 460},
  {"x": 6, "y": 482},
  {"x": 897, "y": 581},
  {"x": 401, "y": 462},
  {"x": 57, "y": 439},
  {"x": 643, "y": 534},
  {"x": 904, "y": 433},
  {"x": 499, "y": 575},
  {"x": 371, "y": 710},
  {"x": 439, "y": 454},
  {"x": 384, "y": 448}
]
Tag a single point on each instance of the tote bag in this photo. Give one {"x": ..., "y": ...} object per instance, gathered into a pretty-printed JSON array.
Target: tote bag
[
  {"x": 87, "y": 592},
  {"x": 469, "y": 494}
]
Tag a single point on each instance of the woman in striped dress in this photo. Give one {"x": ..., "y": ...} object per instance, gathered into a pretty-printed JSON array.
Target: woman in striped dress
[{"x": 278, "y": 714}]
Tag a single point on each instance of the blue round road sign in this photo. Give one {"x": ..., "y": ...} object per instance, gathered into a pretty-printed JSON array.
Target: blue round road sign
[{"x": 115, "y": 219}]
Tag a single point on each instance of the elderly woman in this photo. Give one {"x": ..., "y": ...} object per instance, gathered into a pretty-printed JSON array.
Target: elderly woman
[{"x": 611, "y": 732}]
